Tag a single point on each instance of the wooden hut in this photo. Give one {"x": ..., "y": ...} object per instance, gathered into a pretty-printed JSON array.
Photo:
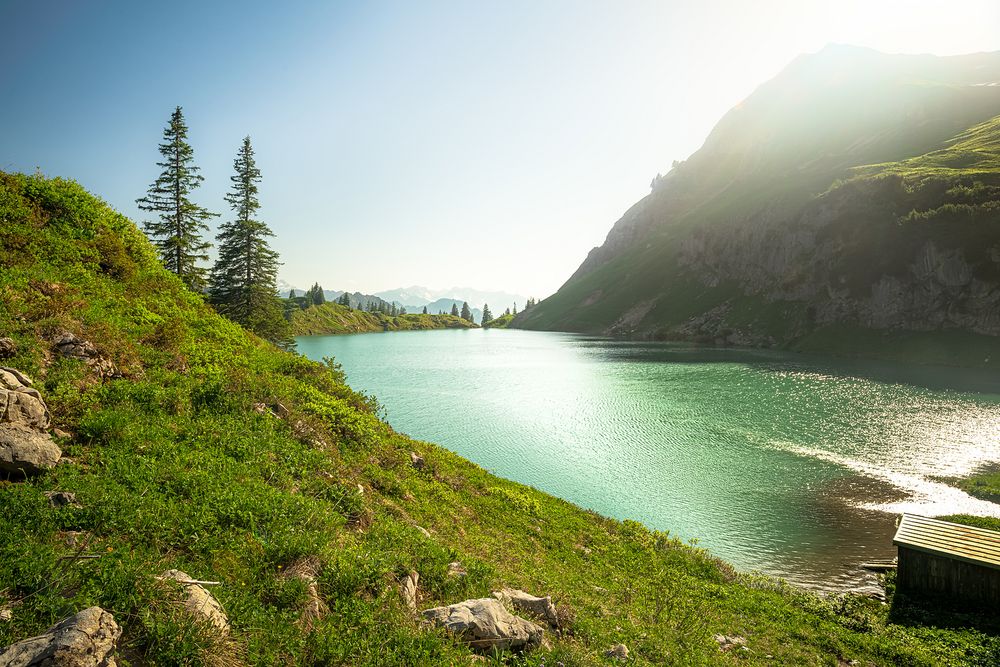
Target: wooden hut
[{"x": 949, "y": 561}]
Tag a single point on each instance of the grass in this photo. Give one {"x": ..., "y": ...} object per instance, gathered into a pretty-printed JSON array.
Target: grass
[
  {"x": 219, "y": 455},
  {"x": 333, "y": 318},
  {"x": 985, "y": 484}
]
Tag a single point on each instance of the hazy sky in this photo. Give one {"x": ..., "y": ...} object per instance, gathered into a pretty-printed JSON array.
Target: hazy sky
[{"x": 488, "y": 144}]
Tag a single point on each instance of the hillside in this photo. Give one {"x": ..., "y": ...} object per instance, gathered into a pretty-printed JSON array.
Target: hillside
[
  {"x": 848, "y": 205},
  {"x": 188, "y": 443},
  {"x": 332, "y": 318}
]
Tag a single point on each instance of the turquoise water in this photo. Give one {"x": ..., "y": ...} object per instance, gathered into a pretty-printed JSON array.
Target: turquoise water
[{"x": 794, "y": 466}]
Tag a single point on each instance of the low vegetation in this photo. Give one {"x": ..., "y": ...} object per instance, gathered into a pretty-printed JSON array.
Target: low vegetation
[
  {"x": 213, "y": 452},
  {"x": 334, "y": 318}
]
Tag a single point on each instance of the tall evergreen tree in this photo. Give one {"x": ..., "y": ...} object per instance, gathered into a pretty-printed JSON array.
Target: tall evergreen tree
[
  {"x": 487, "y": 315},
  {"x": 178, "y": 232},
  {"x": 454, "y": 309},
  {"x": 245, "y": 276},
  {"x": 466, "y": 311},
  {"x": 315, "y": 295},
  {"x": 425, "y": 310},
  {"x": 291, "y": 294}
]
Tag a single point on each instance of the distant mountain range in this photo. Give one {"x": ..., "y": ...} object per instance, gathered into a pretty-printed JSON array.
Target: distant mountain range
[{"x": 414, "y": 298}]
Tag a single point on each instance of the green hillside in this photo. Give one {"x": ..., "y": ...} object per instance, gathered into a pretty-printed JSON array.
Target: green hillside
[
  {"x": 849, "y": 206},
  {"x": 333, "y": 318},
  {"x": 191, "y": 444}
]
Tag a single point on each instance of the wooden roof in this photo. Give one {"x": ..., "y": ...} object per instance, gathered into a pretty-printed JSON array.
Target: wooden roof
[{"x": 951, "y": 540}]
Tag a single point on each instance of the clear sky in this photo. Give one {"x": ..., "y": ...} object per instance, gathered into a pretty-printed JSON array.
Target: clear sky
[{"x": 479, "y": 143}]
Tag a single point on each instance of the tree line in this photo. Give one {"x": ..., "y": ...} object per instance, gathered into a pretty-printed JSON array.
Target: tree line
[{"x": 242, "y": 283}]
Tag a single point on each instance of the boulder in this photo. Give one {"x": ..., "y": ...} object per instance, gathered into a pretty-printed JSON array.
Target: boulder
[
  {"x": 728, "y": 643},
  {"x": 62, "y": 499},
  {"x": 199, "y": 601},
  {"x": 408, "y": 589},
  {"x": 416, "y": 460},
  {"x": 19, "y": 403},
  {"x": 456, "y": 569},
  {"x": 484, "y": 624},
  {"x": 88, "y": 639},
  {"x": 541, "y": 607},
  {"x": 26, "y": 451},
  {"x": 8, "y": 348},
  {"x": 617, "y": 652},
  {"x": 73, "y": 347}
]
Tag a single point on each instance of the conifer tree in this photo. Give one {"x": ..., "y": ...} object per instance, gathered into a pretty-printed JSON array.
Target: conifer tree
[
  {"x": 487, "y": 315},
  {"x": 291, "y": 294},
  {"x": 178, "y": 232},
  {"x": 454, "y": 309},
  {"x": 515, "y": 308},
  {"x": 466, "y": 311},
  {"x": 425, "y": 310},
  {"x": 315, "y": 295},
  {"x": 244, "y": 278}
]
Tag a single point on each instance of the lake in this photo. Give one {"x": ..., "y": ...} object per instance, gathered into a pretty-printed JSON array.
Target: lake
[{"x": 795, "y": 466}]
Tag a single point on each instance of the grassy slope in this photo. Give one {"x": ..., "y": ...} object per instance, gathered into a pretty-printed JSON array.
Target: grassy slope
[
  {"x": 175, "y": 468},
  {"x": 333, "y": 318}
]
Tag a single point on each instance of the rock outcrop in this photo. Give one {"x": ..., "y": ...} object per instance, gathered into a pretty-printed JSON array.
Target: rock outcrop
[
  {"x": 87, "y": 639},
  {"x": 8, "y": 348},
  {"x": 25, "y": 447},
  {"x": 199, "y": 602},
  {"x": 408, "y": 589},
  {"x": 518, "y": 599},
  {"x": 484, "y": 624},
  {"x": 72, "y": 346}
]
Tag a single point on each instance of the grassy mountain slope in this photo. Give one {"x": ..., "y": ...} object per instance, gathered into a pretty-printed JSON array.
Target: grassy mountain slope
[
  {"x": 332, "y": 318},
  {"x": 820, "y": 214},
  {"x": 222, "y": 456}
]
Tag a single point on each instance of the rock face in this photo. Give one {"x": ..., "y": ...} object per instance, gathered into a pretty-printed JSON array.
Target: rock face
[
  {"x": 24, "y": 451},
  {"x": 408, "y": 589},
  {"x": 72, "y": 346},
  {"x": 19, "y": 403},
  {"x": 541, "y": 607},
  {"x": 87, "y": 639},
  {"x": 199, "y": 601},
  {"x": 485, "y": 624},
  {"x": 25, "y": 447}
]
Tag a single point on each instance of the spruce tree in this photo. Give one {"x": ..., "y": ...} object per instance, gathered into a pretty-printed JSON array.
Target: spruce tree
[
  {"x": 466, "y": 311},
  {"x": 291, "y": 294},
  {"x": 425, "y": 310},
  {"x": 487, "y": 315},
  {"x": 245, "y": 275},
  {"x": 454, "y": 309},
  {"x": 178, "y": 232},
  {"x": 515, "y": 307}
]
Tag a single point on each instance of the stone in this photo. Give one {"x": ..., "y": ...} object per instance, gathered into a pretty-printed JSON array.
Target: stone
[
  {"x": 456, "y": 569},
  {"x": 73, "y": 347},
  {"x": 87, "y": 639},
  {"x": 8, "y": 348},
  {"x": 484, "y": 624},
  {"x": 617, "y": 652},
  {"x": 728, "y": 643},
  {"x": 61, "y": 434},
  {"x": 6, "y": 614},
  {"x": 62, "y": 499},
  {"x": 416, "y": 460},
  {"x": 19, "y": 403},
  {"x": 423, "y": 531},
  {"x": 24, "y": 451},
  {"x": 541, "y": 607},
  {"x": 199, "y": 601},
  {"x": 408, "y": 589}
]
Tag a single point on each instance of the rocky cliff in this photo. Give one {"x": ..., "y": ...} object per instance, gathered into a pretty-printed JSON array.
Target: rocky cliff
[{"x": 855, "y": 191}]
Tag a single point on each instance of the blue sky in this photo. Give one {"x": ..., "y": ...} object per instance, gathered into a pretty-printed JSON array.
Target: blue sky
[{"x": 479, "y": 143}]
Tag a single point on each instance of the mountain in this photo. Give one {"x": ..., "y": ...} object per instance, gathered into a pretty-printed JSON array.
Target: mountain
[
  {"x": 408, "y": 296},
  {"x": 850, "y": 204},
  {"x": 417, "y": 296},
  {"x": 444, "y": 306}
]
